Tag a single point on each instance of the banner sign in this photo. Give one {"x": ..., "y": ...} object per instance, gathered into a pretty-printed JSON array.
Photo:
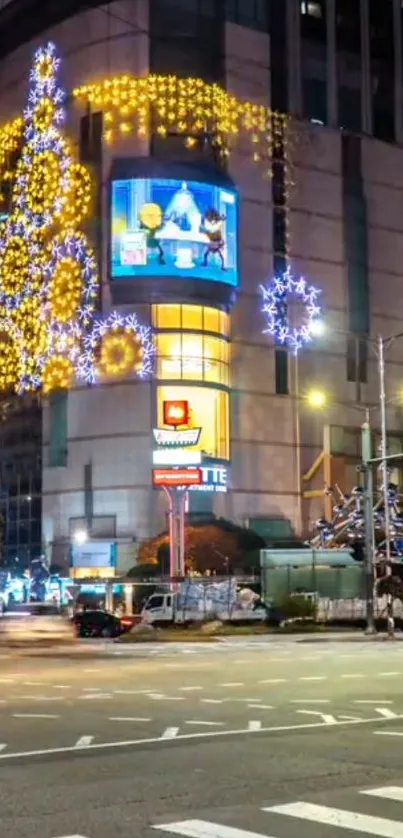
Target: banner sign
[
  {"x": 176, "y": 476},
  {"x": 166, "y": 437}
]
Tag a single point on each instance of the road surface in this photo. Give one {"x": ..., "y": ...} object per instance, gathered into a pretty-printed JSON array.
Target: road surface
[{"x": 236, "y": 741}]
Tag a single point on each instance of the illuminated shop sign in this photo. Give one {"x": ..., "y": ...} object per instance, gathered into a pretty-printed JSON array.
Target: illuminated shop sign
[
  {"x": 170, "y": 437},
  {"x": 93, "y": 554},
  {"x": 175, "y": 413},
  {"x": 172, "y": 228},
  {"x": 176, "y": 476},
  {"x": 176, "y": 457},
  {"x": 214, "y": 478}
]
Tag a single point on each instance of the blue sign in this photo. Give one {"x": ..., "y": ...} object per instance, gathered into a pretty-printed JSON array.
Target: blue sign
[{"x": 173, "y": 228}]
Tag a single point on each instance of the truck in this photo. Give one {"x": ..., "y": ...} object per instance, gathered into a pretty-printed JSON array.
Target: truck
[{"x": 198, "y": 600}]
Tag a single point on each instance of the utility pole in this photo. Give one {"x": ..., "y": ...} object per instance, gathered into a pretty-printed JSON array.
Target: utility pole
[
  {"x": 366, "y": 455},
  {"x": 385, "y": 477}
]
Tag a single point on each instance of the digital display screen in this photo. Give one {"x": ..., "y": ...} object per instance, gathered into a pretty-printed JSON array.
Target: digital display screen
[{"x": 174, "y": 228}]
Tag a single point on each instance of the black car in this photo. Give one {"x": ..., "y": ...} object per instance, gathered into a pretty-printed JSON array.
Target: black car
[{"x": 98, "y": 624}]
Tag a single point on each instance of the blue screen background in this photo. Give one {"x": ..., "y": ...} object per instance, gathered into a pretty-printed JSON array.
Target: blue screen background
[{"x": 179, "y": 247}]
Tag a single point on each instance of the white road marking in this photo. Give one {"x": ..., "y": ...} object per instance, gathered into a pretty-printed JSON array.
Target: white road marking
[
  {"x": 233, "y": 684},
  {"x": 351, "y": 675},
  {"x": 73, "y": 836},
  {"x": 261, "y": 706},
  {"x": 40, "y": 697},
  {"x": 386, "y": 793},
  {"x": 7, "y": 680},
  {"x": 274, "y": 681},
  {"x": 312, "y": 678},
  {"x": 385, "y": 712},
  {"x": 350, "y": 718},
  {"x": 212, "y": 700},
  {"x": 388, "y": 732},
  {"x": 133, "y": 692},
  {"x": 62, "y": 686},
  {"x": 84, "y": 741},
  {"x": 91, "y": 689},
  {"x": 188, "y": 736},
  {"x": 128, "y": 719},
  {"x": 386, "y": 674},
  {"x": 93, "y": 670},
  {"x": 167, "y": 697},
  {"x": 207, "y": 724},
  {"x": 2, "y": 747},
  {"x": 326, "y": 718},
  {"x": 310, "y": 701},
  {"x": 33, "y": 683},
  {"x": 254, "y": 725},
  {"x": 206, "y": 829},
  {"x": 35, "y": 716},
  {"x": 382, "y": 827},
  {"x": 190, "y": 689},
  {"x": 372, "y": 701},
  {"x": 170, "y": 733}
]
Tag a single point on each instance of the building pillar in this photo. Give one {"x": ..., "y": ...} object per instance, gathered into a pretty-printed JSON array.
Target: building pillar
[
  {"x": 397, "y": 43},
  {"x": 366, "y": 86},
  {"x": 331, "y": 70},
  {"x": 293, "y": 26}
]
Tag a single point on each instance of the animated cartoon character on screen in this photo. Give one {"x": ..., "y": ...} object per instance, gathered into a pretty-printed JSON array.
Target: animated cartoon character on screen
[
  {"x": 151, "y": 219},
  {"x": 212, "y": 226}
]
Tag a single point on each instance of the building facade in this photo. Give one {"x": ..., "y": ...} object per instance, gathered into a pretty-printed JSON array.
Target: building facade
[{"x": 329, "y": 211}]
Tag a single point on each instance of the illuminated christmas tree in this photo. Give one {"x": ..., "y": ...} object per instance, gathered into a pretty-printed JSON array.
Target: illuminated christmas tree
[{"x": 48, "y": 273}]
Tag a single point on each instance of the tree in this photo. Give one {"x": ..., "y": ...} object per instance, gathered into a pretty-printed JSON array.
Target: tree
[{"x": 211, "y": 544}]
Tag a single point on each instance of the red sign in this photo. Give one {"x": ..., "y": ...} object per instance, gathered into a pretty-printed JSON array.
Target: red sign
[
  {"x": 176, "y": 413},
  {"x": 177, "y": 477}
]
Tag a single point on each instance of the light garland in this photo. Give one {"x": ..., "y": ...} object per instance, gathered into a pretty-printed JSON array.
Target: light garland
[
  {"x": 275, "y": 296},
  {"x": 124, "y": 346},
  {"x": 186, "y": 106}
]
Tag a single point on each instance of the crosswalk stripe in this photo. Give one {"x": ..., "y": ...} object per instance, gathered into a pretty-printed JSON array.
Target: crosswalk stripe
[
  {"x": 382, "y": 827},
  {"x": 206, "y": 829},
  {"x": 387, "y": 793}
]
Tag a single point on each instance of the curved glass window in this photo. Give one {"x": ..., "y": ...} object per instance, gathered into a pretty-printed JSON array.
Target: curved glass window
[
  {"x": 192, "y": 357},
  {"x": 199, "y": 318}
]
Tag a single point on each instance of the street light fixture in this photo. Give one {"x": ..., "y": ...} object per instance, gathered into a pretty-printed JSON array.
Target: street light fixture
[
  {"x": 316, "y": 398},
  {"x": 80, "y": 537}
]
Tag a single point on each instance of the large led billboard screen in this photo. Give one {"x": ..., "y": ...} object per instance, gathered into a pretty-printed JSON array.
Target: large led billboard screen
[{"x": 172, "y": 228}]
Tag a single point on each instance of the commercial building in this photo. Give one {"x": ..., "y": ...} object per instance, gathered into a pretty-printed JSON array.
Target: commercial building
[{"x": 331, "y": 73}]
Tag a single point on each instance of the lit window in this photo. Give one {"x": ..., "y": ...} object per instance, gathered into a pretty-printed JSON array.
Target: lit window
[
  {"x": 208, "y": 409},
  {"x": 309, "y": 7},
  {"x": 194, "y": 318},
  {"x": 193, "y": 357}
]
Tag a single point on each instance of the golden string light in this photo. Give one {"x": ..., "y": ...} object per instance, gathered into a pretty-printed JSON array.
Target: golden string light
[
  {"x": 188, "y": 107},
  {"x": 14, "y": 266},
  {"x": 120, "y": 355},
  {"x": 77, "y": 197},
  {"x": 43, "y": 182},
  {"x": 58, "y": 374},
  {"x": 65, "y": 290}
]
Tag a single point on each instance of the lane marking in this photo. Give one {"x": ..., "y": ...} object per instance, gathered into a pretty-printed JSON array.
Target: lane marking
[
  {"x": 233, "y": 684},
  {"x": 92, "y": 696},
  {"x": 39, "y": 698},
  {"x": 7, "y": 680},
  {"x": 91, "y": 689},
  {"x": 388, "y": 732},
  {"x": 212, "y": 700},
  {"x": 254, "y": 725},
  {"x": 387, "y": 793},
  {"x": 207, "y": 724},
  {"x": 133, "y": 692},
  {"x": 190, "y": 689},
  {"x": 167, "y": 697},
  {"x": 170, "y": 733},
  {"x": 62, "y": 687},
  {"x": 274, "y": 681},
  {"x": 351, "y": 675},
  {"x": 35, "y": 716},
  {"x": 326, "y": 717},
  {"x": 372, "y": 701},
  {"x": 313, "y": 678},
  {"x": 206, "y": 829},
  {"x": 382, "y": 827},
  {"x": 32, "y": 683},
  {"x": 2, "y": 747},
  {"x": 128, "y": 719},
  {"x": 84, "y": 741},
  {"x": 191, "y": 736},
  {"x": 385, "y": 712},
  {"x": 261, "y": 706},
  {"x": 310, "y": 701},
  {"x": 386, "y": 674}
]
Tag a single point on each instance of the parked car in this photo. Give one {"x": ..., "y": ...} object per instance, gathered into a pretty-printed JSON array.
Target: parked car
[
  {"x": 98, "y": 623},
  {"x": 36, "y": 623}
]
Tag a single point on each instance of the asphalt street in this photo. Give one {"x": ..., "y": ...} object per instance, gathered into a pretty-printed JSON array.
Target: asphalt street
[{"x": 231, "y": 741}]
